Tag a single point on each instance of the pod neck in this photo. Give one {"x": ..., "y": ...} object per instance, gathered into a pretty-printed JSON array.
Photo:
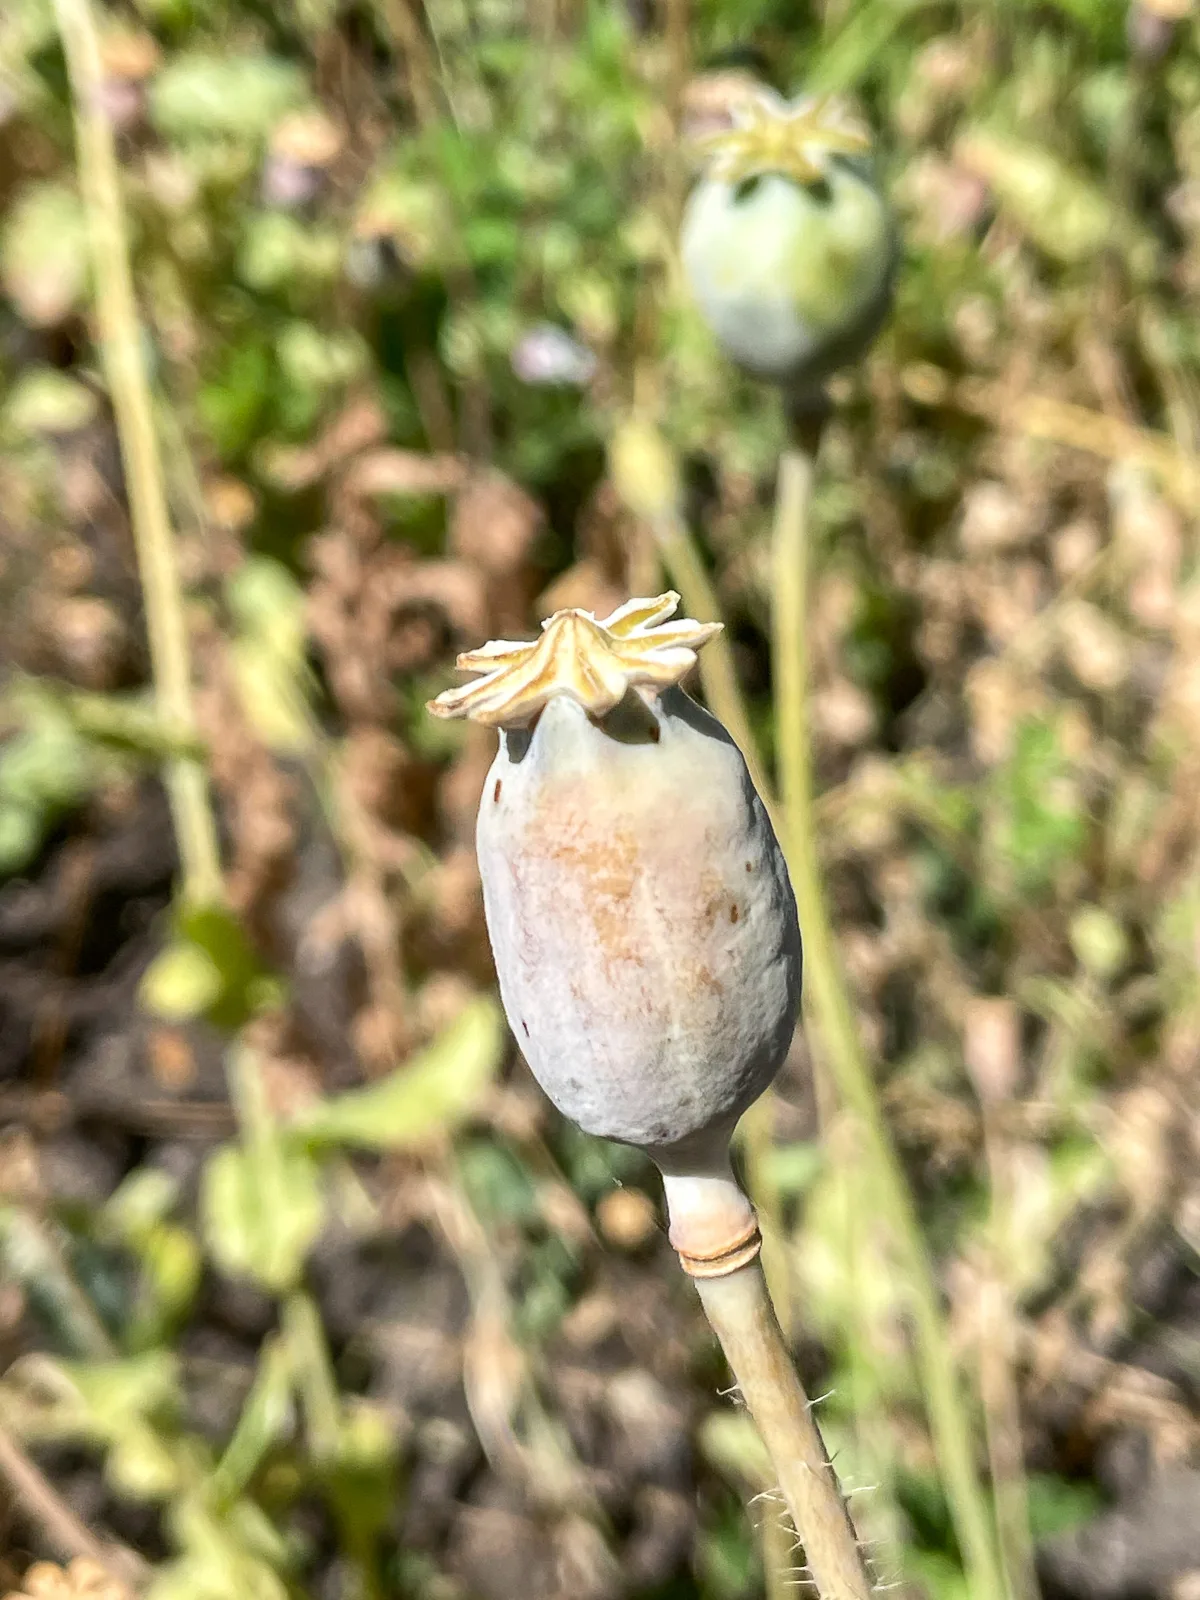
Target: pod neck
[{"x": 713, "y": 1226}]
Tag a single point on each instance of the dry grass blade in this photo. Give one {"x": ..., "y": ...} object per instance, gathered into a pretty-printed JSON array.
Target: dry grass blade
[
  {"x": 124, "y": 364},
  {"x": 66, "y": 1534}
]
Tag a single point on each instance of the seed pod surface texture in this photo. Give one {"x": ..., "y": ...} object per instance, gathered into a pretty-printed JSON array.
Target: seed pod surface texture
[{"x": 640, "y": 912}]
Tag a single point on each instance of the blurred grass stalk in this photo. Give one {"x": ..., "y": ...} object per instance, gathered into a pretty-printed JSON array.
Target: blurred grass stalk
[
  {"x": 123, "y": 354},
  {"x": 991, "y": 1054},
  {"x": 646, "y": 476},
  {"x": 949, "y": 1415},
  {"x": 718, "y": 672}
]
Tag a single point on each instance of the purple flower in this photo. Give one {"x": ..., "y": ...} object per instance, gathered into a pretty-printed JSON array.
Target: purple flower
[{"x": 547, "y": 355}]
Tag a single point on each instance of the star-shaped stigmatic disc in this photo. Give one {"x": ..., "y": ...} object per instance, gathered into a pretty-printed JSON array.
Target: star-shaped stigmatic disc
[
  {"x": 795, "y": 138},
  {"x": 593, "y": 662}
]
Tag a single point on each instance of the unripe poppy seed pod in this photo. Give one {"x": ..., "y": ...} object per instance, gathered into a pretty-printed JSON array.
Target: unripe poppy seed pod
[
  {"x": 787, "y": 244},
  {"x": 637, "y": 901}
]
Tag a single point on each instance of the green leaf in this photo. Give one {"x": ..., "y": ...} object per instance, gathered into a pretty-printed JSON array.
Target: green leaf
[
  {"x": 261, "y": 1209},
  {"x": 273, "y": 678},
  {"x": 272, "y": 692},
  {"x": 182, "y": 981},
  {"x": 106, "y": 1400},
  {"x": 198, "y": 96},
  {"x": 173, "y": 1265},
  {"x": 731, "y": 1443},
  {"x": 43, "y": 254},
  {"x": 268, "y": 604},
  {"x": 1042, "y": 823},
  {"x": 218, "y": 1559},
  {"x": 1060, "y": 209},
  {"x": 362, "y": 1477},
  {"x": 145, "y": 1199},
  {"x": 433, "y": 1093},
  {"x": 208, "y": 969},
  {"x": 1099, "y": 941},
  {"x": 233, "y": 402},
  {"x": 45, "y": 766},
  {"x": 140, "y": 1466},
  {"x": 792, "y": 1169},
  {"x": 20, "y": 837},
  {"x": 44, "y": 400},
  {"x": 1056, "y": 1505},
  {"x": 279, "y": 253},
  {"x": 938, "y": 1575}
]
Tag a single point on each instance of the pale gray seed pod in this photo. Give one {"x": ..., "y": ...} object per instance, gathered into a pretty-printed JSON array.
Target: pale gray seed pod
[{"x": 637, "y": 900}]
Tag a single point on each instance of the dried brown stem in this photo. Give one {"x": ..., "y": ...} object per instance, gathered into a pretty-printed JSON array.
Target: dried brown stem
[{"x": 64, "y": 1532}]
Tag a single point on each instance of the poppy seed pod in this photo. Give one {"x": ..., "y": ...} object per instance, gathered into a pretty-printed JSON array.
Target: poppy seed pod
[
  {"x": 789, "y": 247},
  {"x": 637, "y": 901}
]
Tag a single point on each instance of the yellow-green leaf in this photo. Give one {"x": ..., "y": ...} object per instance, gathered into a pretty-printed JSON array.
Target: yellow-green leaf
[
  {"x": 261, "y": 1209},
  {"x": 434, "y": 1092},
  {"x": 182, "y": 981}
]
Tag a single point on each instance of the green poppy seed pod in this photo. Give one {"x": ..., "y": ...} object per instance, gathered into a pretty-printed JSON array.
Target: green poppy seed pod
[
  {"x": 637, "y": 900},
  {"x": 787, "y": 243}
]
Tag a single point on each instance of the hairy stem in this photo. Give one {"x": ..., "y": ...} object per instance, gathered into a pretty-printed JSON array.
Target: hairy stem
[
  {"x": 121, "y": 348},
  {"x": 739, "y": 1309},
  {"x": 949, "y": 1415},
  {"x": 715, "y": 1231}
]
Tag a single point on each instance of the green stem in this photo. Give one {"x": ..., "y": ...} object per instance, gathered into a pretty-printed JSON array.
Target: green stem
[
  {"x": 949, "y": 1415},
  {"x": 997, "y": 1382},
  {"x": 305, "y": 1338},
  {"x": 316, "y": 1383},
  {"x": 32, "y": 1255},
  {"x": 120, "y": 338},
  {"x": 718, "y": 674}
]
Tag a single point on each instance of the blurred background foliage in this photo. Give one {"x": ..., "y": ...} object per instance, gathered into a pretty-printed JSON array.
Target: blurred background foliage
[{"x": 303, "y": 1289}]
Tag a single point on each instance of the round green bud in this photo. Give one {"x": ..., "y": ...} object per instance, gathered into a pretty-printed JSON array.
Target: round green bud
[{"x": 787, "y": 243}]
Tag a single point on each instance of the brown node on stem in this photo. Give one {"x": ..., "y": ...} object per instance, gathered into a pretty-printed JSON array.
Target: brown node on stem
[
  {"x": 739, "y": 1252},
  {"x": 714, "y": 1228}
]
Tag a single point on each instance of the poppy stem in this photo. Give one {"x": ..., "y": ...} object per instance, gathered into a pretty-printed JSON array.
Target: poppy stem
[{"x": 833, "y": 1008}]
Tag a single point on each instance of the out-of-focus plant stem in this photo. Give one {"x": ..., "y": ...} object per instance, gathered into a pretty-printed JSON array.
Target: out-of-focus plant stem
[
  {"x": 997, "y": 1380},
  {"x": 949, "y": 1416},
  {"x": 311, "y": 1364},
  {"x": 59, "y": 1523},
  {"x": 718, "y": 674},
  {"x": 403, "y": 19},
  {"x": 122, "y": 351},
  {"x": 646, "y": 475}
]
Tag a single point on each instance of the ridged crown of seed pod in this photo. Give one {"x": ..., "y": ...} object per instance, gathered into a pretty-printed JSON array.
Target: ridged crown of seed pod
[
  {"x": 787, "y": 243},
  {"x": 639, "y": 909}
]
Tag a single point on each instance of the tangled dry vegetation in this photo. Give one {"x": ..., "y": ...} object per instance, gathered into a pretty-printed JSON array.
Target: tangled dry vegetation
[{"x": 304, "y": 1289}]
